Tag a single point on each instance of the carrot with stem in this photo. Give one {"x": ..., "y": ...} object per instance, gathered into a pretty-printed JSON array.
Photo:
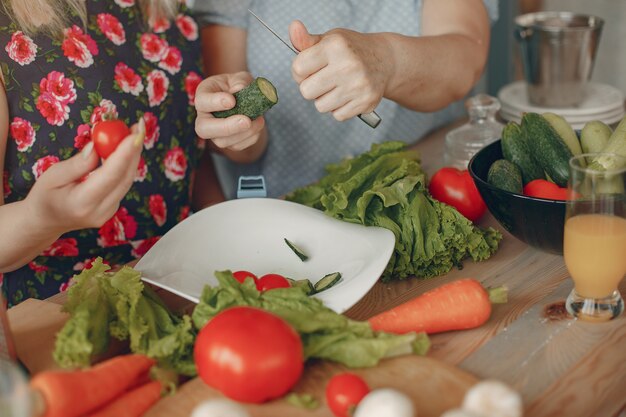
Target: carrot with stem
[
  {"x": 75, "y": 393},
  {"x": 133, "y": 403},
  {"x": 458, "y": 305}
]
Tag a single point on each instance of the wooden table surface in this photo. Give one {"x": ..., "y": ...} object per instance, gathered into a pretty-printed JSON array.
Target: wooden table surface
[{"x": 561, "y": 366}]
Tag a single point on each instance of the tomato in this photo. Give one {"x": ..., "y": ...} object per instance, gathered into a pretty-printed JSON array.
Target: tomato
[
  {"x": 107, "y": 134},
  {"x": 343, "y": 393},
  {"x": 457, "y": 189},
  {"x": 545, "y": 189},
  {"x": 249, "y": 354},
  {"x": 271, "y": 281},
  {"x": 242, "y": 275}
]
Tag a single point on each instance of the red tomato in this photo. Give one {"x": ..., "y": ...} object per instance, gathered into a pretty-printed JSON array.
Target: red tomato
[
  {"x": 242, "y": 275},
  {"x": 457, "y": 189},
  {"x": 249, "y": 355},
  {"x": 271, "y": 281},
  {"x": 343, "y": 393},
  {"x": 107, "y": 134},
  {"x": 545, "y": 189}
]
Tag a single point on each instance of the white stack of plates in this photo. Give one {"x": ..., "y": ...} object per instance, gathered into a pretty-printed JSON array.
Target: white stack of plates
[{"x": 602, "y": 102}]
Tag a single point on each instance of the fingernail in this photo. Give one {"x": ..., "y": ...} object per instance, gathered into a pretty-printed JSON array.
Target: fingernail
[
  {"x": 242, "y": 123},
  {"x": 225, "y": 103},
  {"x": 141, "y": 126},
  {"x": 87, "y": 150},
  {"x": 138, "y": 141}
]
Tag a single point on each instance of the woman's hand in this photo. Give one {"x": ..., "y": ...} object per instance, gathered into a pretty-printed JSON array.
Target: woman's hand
[
  {"x": 343, "y": 71},
  {"x": 76, "y": 193},
  {"x": 234, "y": 133}
]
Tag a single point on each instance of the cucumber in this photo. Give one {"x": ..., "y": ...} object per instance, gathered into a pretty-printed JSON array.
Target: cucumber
[
  {"x": 303, "y": 256},
  {"x": 505, "y": 175},
  {"x": 616, "y": 145},
  {"x": 304, "y": 283},
  {"x": 327, "y": 281},
  {"x": 566, "y": 132},
  {"x": 254, "y": 100},
  {"x": 515, "y": 149},
  {"x": 547, "y": 146},
  {"x": 594, "y": 136}
]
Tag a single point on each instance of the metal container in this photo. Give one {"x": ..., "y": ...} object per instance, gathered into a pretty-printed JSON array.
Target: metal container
[{"x": 558, "y": 51}]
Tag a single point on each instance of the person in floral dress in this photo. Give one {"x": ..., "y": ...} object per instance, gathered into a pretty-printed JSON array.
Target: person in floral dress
[{"x": 61, "y": 206}]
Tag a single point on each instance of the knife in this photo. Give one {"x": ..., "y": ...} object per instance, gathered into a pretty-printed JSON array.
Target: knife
[{"x": 371, "y": 119}]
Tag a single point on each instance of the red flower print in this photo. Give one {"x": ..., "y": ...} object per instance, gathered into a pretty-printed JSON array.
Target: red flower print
[
  {"x": 36, "y": 267},
  {"x": 127, "y": 79},
  {"x": 158, "y": 83},
  {"x": 192, "y": 80},
  {"x": 106, "y": 109},
  {"x": 112, "y": 28},
  {"x": 5, "y": 183},
  {"x": 83, "y": 136},
  {"x": 187, "y": 26},
  {"x": 172, "y": 60},
  {"x": 142, "y": 171},
  {"x": 141, "y": 247},
  {"x": 55, "y": 112},
  {"x": 1, "y": 281},
  {"x": 152, "y": 130},
  {"x": 23, "y": 133},
  {"x": 62, "y": 247},
  {"x": 79, "y": 47},
  {"x": 160, "y": 25},
  {"x": 118, "y": 229},
  {"x": 21, "y": 48},
  {"x": 184, "y": 213},
  {"x": 61, "y": 88},
  {"x": 125, "y": 3},
  {"x": 158, "y": 209},
  {"x": 175, "y": 164},
  {"x": 153, "y": 47},
  {"x": 66, "y": 285},
  {"x": 87, "y": 264},
  {"x": 43, "y": 164}
]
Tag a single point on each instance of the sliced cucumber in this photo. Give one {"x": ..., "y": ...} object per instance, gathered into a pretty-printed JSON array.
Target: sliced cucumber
[
  {"x": 327, "y": 281},
  {"x": 304, "y": 283},
  {"x": 303, "y": 256}
]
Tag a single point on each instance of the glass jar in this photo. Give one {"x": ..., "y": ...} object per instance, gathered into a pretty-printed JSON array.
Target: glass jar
[{"x": 481, "y": 130}]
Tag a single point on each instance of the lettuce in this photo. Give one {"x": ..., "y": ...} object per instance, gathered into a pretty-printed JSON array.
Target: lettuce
[{"x": 386, "y": 187}]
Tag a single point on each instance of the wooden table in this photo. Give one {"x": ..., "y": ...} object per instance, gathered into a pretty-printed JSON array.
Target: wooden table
[{"x": 562, "y": 367}]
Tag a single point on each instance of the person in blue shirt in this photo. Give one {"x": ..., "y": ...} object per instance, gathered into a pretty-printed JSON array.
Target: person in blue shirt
[{"x": 407, "y": 59}]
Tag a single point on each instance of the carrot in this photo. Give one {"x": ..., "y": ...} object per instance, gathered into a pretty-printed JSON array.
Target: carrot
[
  {"x": 75, "y": 393},
  {"x": 458, "y": 305},
  {"x": 133, "y": 403}
]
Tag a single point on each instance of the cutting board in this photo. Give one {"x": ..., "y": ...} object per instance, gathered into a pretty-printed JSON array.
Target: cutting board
[{"x": 434, "y": 386}]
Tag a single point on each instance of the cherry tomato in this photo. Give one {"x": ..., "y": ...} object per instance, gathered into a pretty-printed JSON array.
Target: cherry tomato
[
  {"x": 242, "y": 275},
  {"x": 107, "y": 134},
  {"x": 271, "y": 281},
  {"x": 343, "y": 393},
  {"x": 249, "y": 354},
  {"x": 545, "y": 189},
  {"x": 457, "y": 189}
]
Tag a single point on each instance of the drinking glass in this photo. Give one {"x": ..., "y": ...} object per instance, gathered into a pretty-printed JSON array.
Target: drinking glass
[{"x": 594, "y": 245}]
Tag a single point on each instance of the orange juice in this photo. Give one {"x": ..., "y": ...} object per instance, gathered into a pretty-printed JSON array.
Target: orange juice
[{"x": 594, "y": 249}]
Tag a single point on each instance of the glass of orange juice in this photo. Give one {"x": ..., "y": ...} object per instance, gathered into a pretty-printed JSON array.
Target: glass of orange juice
[{"x": 594, "y": 245}]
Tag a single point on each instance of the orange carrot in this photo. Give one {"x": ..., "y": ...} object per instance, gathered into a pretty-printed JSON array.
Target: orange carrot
[
  {"x": 458, "y": 305},
  {"x": 75, "y": 393},
  {"x": 133, "y": 403}
]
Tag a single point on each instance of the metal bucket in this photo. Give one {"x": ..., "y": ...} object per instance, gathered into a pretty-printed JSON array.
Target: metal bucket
[{"x": 558, "y": 52}]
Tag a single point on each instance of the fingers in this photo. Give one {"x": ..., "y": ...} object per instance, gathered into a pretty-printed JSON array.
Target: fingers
[
  {"x": 300, "y": 37},
  {"x": 72, "y": 169},
  {"x": 209, "y": 127},
  {"x": 216, "y": 93},
  {"x": 241, "y": 140}
]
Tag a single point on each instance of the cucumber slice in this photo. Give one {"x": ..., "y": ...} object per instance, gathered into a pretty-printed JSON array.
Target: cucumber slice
[
  {"x": 327, "y": 281},
  {"x": 303, "y": 256},
  {"x": 304, "y": 283},
  {"x": 254, "y": 100}
]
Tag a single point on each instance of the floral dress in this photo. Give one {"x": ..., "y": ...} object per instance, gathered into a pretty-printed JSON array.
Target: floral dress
[{"x": 58, "y": 88}]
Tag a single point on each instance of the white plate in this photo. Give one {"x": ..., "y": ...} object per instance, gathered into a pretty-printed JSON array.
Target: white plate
[
  {"x": 248, "y": 234},
  {"x": 577, "y": 123},
  {"x": 600, "y": 98}
]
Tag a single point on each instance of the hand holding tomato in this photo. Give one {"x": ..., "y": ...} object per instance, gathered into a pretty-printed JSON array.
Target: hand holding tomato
[
  {"x": 457, "y": 189},
  {"x": 249, "y": 354},
  {"x": 107, "y": 135}
]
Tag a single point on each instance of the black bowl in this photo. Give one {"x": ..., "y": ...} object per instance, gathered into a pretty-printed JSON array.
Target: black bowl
[{"x": 536, "y": 221}]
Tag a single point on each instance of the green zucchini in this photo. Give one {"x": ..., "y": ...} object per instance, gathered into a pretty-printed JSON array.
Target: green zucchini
[
  {"x": 565, "y": 131},
  {"x": 547, "y": 146},
  {"x": 327, "y": 281},
  {"x": 299, "y": 252},
  {"x": 616, "y": 145},
  {"x": 515, "y": 149},
  {"x": 304, "y": 283},
  {"x": 253, "y": 100},
  {"x": 505, "y": 175}
]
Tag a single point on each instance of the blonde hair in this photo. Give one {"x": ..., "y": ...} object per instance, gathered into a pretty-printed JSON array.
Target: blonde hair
[{"x": 52, "y": 16}]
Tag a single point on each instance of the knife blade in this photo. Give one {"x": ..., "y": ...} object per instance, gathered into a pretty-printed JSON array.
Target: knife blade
[{"x": 371, "y": 119}]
